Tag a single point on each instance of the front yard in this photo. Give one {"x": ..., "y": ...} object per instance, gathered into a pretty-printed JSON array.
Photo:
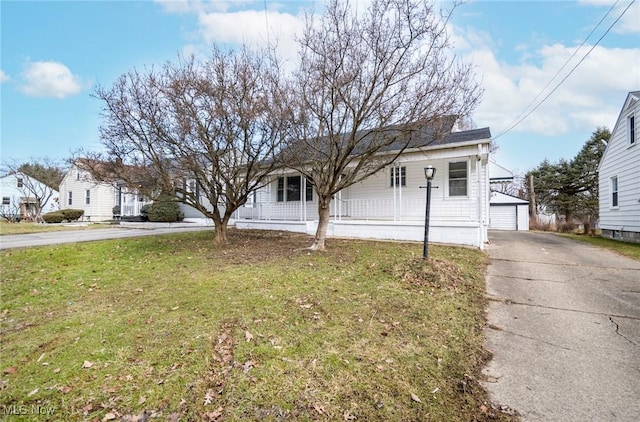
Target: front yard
[{"x": 174, "y": 328}]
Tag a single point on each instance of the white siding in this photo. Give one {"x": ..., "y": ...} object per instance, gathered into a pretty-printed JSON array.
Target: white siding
[
  {"x": 621, "y": 160},
  {"x": 103, "y": 197},
  {"x": 9, "y": 189},
  {"x": 375, "y": 208}
]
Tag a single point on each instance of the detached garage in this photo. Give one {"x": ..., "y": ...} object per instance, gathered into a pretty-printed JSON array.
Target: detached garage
[{"x": 508, "y": 212}]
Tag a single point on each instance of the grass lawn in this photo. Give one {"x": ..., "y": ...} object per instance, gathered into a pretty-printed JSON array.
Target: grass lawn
[
  {"x": 631, "y": 250},
  {"x": 174, "y": 328},
  {"x": 24, "y": 227}
]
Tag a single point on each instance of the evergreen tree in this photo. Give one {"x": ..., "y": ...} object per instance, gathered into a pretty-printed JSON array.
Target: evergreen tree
[{"x": 570, "y": 188}]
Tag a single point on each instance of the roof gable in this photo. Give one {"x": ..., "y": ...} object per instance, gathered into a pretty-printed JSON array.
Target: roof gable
[{"x": 632, "y": 101}]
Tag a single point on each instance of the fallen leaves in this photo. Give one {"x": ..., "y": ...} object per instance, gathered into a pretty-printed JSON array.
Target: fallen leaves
[{"x": 87, "y": 364}]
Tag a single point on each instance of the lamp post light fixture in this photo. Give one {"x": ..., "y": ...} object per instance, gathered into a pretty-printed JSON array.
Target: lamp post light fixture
[{"x": 429, "y": 174}]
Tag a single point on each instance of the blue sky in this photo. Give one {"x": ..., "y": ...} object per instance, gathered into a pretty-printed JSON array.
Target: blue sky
[{"x": 53, "y": 53}]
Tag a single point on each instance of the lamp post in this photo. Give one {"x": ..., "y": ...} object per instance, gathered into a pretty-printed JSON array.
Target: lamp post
[{"x": 429, "y": 173}]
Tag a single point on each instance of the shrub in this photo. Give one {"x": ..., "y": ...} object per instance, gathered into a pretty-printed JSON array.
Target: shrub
[
  {"x": 164, "y": 211},
  {"x": 144, "y": 211},
  {"x": 71, "y": 214},
  {"x": 115, "y": 210},
  {"x": 53, "y": 217}
]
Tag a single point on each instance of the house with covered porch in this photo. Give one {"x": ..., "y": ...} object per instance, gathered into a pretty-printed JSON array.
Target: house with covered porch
[{"x": 391, "y": 203}]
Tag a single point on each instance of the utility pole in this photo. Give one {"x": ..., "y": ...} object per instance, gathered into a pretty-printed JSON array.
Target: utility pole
[{"x": 533, "y": 215}]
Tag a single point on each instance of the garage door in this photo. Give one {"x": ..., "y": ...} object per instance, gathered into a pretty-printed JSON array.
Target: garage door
[{"x": 502, "y": 217}]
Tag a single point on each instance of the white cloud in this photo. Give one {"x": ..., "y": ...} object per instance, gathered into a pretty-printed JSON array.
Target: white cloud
[
  {"x": 253, "y": 28},
  {"x": 49, "y": 79},
  {"x": 590, "y": 97},
  {"x": 629, "y": 22},
  {"x": 4, "y": 77}
]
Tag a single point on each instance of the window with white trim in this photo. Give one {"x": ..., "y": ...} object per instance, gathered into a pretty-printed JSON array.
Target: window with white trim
[
  {"x": 458, "y": 178},
  {"x": 87, "y": 197},
  {"x": 290, "y": 189},
  {"x": 631, "y": 129},
  {"x": 398, "y": 176},
  {"x": 6, "y": 200},
  {"x": 20, "y": 182},
  {"x": 614, "y": 191},
  {"x": 70, "y": 198}
]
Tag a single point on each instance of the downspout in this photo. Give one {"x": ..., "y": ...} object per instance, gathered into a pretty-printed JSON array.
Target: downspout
[{"x": 479, "y": 197}]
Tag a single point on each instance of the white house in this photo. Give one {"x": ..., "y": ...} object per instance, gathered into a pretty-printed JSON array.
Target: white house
[
  {"x": 79, "y": 190},
  {"x": 391, "y": 203},
  {"x": 619, "y": 176},
  {"x": 22, "y": 195}
]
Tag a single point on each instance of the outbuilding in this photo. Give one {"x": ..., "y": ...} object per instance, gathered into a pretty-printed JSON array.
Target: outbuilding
[{"x": 508, "y": 212}]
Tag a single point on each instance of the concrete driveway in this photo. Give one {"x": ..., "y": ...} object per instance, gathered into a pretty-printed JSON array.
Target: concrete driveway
[{"x": 564, "y": 328}]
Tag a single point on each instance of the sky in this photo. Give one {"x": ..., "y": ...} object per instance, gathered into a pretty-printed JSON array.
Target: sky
[{"x": 55, "y": 53}]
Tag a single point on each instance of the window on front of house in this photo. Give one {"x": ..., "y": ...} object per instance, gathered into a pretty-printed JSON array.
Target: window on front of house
[
  {"x": 398, "y": 176},
  {"x": 631, "y": 120},
  {"x": 290, "y": 189},
  {"x": 458, "y": 177},
  {"x": 87, "y": 197},
  {"x": 614, "y": 191},
  {"x": 6, "y": 200},
  {"x": 20, "y": 183},
  {"x": 70, "y": 198}
]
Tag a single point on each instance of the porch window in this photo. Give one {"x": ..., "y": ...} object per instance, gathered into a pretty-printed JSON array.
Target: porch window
[
  {"x": 398, "y": 176},
  {"x": 290, "y": 189},
  {"x": 293, "y": 188},
  {"x": 631, "y": 124},
  {"x": 6, "y": 200},
  {"x": 20, "y": 184},
  {"x": 70, "y": 198},
  {"x": 614, "y": 191},
  {"x": 87, "y": 197},
  {"x": 458, "y": 178}
]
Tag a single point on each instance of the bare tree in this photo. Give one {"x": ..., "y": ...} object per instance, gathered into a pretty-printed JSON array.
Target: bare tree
[
  {"x": 204, "y": 131},
  {"x": 371, "y": 81}
]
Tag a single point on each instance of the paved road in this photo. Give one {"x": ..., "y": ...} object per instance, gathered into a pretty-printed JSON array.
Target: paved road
[
  {"x": 564, "y": 327},
  {"x": 72, "y": 236}
]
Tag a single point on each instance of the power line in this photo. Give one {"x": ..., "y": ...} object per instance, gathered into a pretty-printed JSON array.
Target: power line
[{"x": 519, "y": 119}]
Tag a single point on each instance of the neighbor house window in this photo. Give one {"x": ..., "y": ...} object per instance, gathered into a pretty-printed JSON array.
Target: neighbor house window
[
  {"x": 458, "y": 178},
  {"x": 614, "y": 191},
  {"x": 6, "y": 200},
  {"x": 20, "y": 184},
  {"x": 398, "y": 176},
  {"x": 87, "y": 197},
  {"x": 631, "y": 123},
  {"x": 70, "y": 198}
]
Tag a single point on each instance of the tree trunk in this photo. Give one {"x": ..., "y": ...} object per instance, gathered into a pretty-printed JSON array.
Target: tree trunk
[
  {"x": 323, "y": 223},
  {"x": 220, "y": 224}
]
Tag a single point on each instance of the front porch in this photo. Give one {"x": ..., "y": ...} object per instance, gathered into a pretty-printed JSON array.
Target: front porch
[{"x": 385, "y": 219}]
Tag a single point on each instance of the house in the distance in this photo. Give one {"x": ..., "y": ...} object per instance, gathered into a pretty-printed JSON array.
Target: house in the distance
[
  {"x": 619, "y": 176},
  {"x": 24, "y": 197},
  {"x": 79, "y": 190},
  {"x": 391, "y": 203}
]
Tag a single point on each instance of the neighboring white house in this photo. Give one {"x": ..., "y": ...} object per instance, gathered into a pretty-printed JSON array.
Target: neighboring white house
[
  {"x": 79, "y": 190},
  {"x": 619, "y": 176},
  {"x": 20, "y": 194},
  {"x": 391, "y": 203}
]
